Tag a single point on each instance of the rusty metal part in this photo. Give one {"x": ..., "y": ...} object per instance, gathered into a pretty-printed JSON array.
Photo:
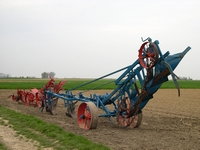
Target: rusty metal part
[
  {"x": 135, "y": 107},
  {"x": 148, "y": 55},
  {"x": 133, "y": 110}
]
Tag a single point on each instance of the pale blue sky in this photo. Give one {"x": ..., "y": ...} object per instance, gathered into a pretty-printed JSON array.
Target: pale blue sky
[{"x": 90, "y": 38}]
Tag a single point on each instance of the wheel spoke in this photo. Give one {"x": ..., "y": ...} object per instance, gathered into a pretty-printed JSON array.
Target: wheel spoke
[
  {"x": 148, "y": 55},
  {"x": 125, "y": 108}
]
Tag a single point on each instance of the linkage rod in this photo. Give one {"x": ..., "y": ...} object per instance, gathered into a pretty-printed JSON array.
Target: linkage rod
[{"x": 97, "y": 79}]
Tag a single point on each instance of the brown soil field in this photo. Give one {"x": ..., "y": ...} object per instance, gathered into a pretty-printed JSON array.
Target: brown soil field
[{"x": 169, "y": 122}]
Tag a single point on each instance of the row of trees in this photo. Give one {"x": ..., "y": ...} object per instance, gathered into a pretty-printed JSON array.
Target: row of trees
[
  {"x": 184, "y": 78},
  {"x": 48, "y": 74},
  {"x": 2, "y": 75},
  {"x": 44, "y": 75}
]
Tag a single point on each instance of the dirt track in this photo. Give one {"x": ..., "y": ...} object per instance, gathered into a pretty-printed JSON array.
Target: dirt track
[{"x": 169, "y": 122}]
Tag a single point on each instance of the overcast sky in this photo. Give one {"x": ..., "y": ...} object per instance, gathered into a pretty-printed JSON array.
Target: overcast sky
[{"x": 91, "y": 38}]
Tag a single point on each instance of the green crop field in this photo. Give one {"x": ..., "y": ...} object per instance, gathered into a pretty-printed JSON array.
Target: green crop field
[
  {"x": 71, "y": 83},
  {"x": 183, "y": 84}
]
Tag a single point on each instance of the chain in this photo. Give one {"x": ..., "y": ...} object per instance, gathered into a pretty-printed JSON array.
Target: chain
[{"x": 143, "y": 93}]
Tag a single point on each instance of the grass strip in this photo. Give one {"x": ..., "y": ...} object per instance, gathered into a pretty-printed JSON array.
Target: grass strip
[
  {"x": 2, "y": 146},
  {"x": 48, "y": 135}
]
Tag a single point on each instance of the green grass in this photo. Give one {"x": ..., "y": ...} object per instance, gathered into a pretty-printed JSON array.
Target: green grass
[
  {"x": 48, "y": 135},
  {"x": 183, "y": 84},
  {"x": 2, "y": 146},
  {"x": 70, "y": 83},
  {"x": 18, "y": 83}
]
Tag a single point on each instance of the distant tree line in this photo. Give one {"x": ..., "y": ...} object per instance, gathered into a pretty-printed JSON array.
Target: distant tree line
[
  {"x": 184, "y": 78},
  {"x": 44, "y": 75},
  {"x": 2, "y": 75},
  {"x": 48, "y": 74}
]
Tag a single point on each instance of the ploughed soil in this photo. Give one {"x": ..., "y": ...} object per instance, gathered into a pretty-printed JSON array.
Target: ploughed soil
[{"x": 169, "y": 122}]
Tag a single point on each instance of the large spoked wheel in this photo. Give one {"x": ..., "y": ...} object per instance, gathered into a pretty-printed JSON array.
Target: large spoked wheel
[
  {"x": 137, "y": 119},
  {"x": 148, "y": 55},
  {"x": 124, "y": 109},
  {"x": 87, "y": 116}
]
